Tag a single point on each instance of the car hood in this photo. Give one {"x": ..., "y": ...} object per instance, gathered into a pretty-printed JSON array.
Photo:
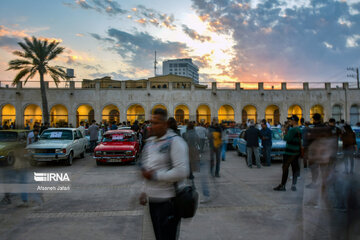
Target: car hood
[
  {"x": 5, "y": 145},
  {"x": 115, "y": 146},
  {"x": 44, "y": 144}
]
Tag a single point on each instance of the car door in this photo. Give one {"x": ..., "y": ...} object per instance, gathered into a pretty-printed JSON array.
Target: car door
[
  {"x": 82, "y": 141},
  {"x": 76, "y": 144}
]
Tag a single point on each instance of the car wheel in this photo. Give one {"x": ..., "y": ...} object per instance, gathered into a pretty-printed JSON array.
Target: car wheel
[
  {"x": 98, "y": 163},
  {"x": 33, "y": 162},
  {"x": 69, "y": 160},
  {"x": 10, "y": 159},
  {"x": 82, "y": 155}
]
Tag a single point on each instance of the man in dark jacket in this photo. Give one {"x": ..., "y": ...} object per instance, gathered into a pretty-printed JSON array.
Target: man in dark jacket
[
  {"x": 266, "y": 141},
  {"x": 252, "y": 136}
]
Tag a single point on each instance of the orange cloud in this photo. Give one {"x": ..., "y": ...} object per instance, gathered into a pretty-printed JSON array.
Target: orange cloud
[
  {"x": 142, "y": 21},
  {"x": 58, "y": 40},
  {"x": 4, "y": 31}
]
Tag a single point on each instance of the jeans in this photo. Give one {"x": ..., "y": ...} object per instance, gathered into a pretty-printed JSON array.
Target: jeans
[
  {"x": 349, "y": 157},
  {"x": 292, "y": 160},
  {"x": 250, "y": 151},
  {"x": 223, "y": 150},
  {"x": 92, "y": 145},
  {"x": 267, "y": 154},
  {"x": 216, "y": 152},
  {"x": 166, "y": 222},
  {"x": 204, "y": 178}
]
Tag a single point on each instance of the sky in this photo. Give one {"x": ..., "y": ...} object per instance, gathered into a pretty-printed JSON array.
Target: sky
[{"x": 230, "y": 40}]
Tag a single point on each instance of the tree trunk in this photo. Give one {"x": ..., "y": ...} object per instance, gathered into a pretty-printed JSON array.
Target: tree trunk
[{"x": 45, "y": 110}]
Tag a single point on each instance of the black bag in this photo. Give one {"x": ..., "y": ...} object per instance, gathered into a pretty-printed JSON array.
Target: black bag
[{"x": 186, "y": 199}]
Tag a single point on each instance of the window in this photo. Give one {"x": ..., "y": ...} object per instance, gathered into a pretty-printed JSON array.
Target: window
[{"x": 79, "y": 134}]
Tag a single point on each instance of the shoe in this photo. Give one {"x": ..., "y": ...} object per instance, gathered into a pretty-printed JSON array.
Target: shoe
[
  {"x": 205, "y": 199},
  {"x": 280, "y": 188},
  {"x": 217, "y": 175},
  {"x": 250, "y": 166},
  {"x": 223, "y": 160},
  {"x": 293, "y": 188},
  {"x": 311, "y": 185}
]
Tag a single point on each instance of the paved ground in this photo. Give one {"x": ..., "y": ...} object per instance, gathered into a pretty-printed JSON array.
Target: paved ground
[{"x": 102, "y": 204}]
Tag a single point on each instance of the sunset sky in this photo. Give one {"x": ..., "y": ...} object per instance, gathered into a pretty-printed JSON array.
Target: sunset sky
[{"x": 234, "y": 41}]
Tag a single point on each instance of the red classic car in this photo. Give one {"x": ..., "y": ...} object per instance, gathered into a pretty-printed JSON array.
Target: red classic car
[{"x": 117, "y": 146}]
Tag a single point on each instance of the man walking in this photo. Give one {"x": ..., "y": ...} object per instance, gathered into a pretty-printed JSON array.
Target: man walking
[
  {"x": 292, "y": 153},
  {"x": 252, "y": 136},
  {"x": 266, "y": 140},
  {"x": 201, "y": 132},
  {"x": 165, "y": 162},
  {"x": 94, "y": 133},
  {"x": 214, "y": 136}
]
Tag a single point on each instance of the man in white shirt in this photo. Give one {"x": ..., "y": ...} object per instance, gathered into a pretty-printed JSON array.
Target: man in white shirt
[
  {"x": 82, "y": 128},
  {"x": 201, "y": 131},
  {"x": 165, "y": 161}
]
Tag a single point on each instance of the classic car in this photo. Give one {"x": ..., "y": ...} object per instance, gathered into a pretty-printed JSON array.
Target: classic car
[
  {"x": 277, "y": 148},
  {"x": 117, "y": 146},
  {"x": 11, "y": 141},
  {"x": 58, "y": 144},
  {"x": 233, "y": 133}
]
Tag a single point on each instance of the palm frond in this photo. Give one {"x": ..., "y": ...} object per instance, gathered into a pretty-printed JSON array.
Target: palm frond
[
  {"x": 17, "y": 64},
  {"x": 32, "y": 73},
  {"x": 20, "y": 75},
  {"x": 54, "y": 53},
  {"x": 57, "y": 73}
]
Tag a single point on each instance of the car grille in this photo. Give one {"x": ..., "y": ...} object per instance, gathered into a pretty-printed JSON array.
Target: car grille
[
  {"x": 44, "y": 150},
  {"x": 114, "y": 153}
]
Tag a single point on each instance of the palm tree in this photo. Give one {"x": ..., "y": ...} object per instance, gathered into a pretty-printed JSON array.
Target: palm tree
[{"x": 35, "y": 58}]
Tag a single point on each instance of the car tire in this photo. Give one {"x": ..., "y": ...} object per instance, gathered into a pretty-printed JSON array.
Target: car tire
[
  {"x": 10, "y": 159},
  {"x": 69, "y": 160},
  {"x": 98, "y": 163},
  {"x": 33, "y": 162}
]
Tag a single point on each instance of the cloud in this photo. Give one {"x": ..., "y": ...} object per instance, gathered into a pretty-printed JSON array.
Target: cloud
[
  {"x": 138, "y": 48},
  {"x": 297, "y": 42},
  {"x": 109, "y": 7},
  {"x": 146, "y": 15},
  {"x": 195, "y": 35}
]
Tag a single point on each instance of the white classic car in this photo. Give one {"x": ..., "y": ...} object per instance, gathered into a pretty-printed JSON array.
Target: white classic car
[{"x": 58, "y": 144}]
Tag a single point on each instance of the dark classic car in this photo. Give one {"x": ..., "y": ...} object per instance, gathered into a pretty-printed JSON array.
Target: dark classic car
[
  {"x": 117, "y": 146},
  {"x": 11, "y": 141}
]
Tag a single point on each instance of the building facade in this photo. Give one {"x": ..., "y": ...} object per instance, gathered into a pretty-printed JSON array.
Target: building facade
[
  {"x": 181, "y": 67},
  {"x": 72, "y": 105}
]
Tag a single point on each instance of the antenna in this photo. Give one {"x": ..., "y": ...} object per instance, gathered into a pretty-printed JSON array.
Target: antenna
[{"x": 155, "y": 63}]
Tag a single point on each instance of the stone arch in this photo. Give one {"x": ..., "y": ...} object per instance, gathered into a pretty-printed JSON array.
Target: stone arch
[
  {"x": 203, "y": 113},
  {"x": 226, "y": 113},
  {"x": 249, "y": 112},
  {"x": 110, "y": 113},
  {"x": 182, "y": 113},
  {"x": 59, "y": 115},
  {"x": 337, "y": 112},
  {"x": 135, "y": 112},
  {"x": 85, "y": 113},
  {"x": 159, "y": 105},
  {"x": 32, "y": 115},
  {"x": 354, "y": 114},
  {"x": 8, "y": 114},
  {"x": 317, "y": 108},
  {"x": 272, "y": 114},
  {"x": 297, "y": 110}
]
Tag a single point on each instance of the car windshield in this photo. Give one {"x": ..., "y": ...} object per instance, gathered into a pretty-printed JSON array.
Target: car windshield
[
  {"x": 121, "y": 137},
  {"x": 233, "y": 130},
  {"x": 8, "y": 136},
  {"x": 57, "y": 134},
  {"x": 276, "y": 135}
]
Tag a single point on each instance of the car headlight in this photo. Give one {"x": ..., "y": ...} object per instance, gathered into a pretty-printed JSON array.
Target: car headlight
[
  {"x": 128, "y": 153},
  {"x": 98, "y": 153}
]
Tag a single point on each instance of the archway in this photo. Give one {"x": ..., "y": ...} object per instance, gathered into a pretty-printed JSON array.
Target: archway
[
  {"x": 84, "y": 113},
  {"x": 272, "y": 114},
  {"x": 8, "y": 114},
  {"x": 135, "y": 112},
  {"x": 317, "y": 109},
  {"x": 182, "y": 114},
  {"x": 203, "y": 114},
  {"x": 295, "y": 110},
  {"x": 32, "y": 115},
  {"x": 337, "y": 112},
  {"x": 59, "y": 116},
  {"x": 249, "y": 113},
  {"x": 158, "y": 106},
  {"x": 110, "y": 114},
  {"x": 354, "y": 114},
  {"x": 226, "y": 113}
]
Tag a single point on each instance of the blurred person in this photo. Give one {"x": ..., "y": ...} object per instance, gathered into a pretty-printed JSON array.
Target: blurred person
[
  {"x": 33, "y": 136},
  {"x": 94, "y": 134},
  {"x": 114, "y": 126},
  {"x": 349, "y": 148},
  {"x": 214, "y": 136},
  {"x": 224, "y": 140},
  {"x": 292, "y": 153},
  {"x": 201, "y": 132},
  {"x": 335, "y": 133},
  {"x": 172, "y": 124},
  {"x": 192, "y": 140},
  {"x": 252, "y": 136},
  {"x": 82, "y": 128},
  {"x": 135, "y": 126},
  {"x": 268, "y": 125},
  {"x": 165, "y": 166},
  {"x": 44, "y": 127},
  {"x": 266, "y": 140},
  {"x": 27, "y": 127},
  {"x": 305, "y": 143}
]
